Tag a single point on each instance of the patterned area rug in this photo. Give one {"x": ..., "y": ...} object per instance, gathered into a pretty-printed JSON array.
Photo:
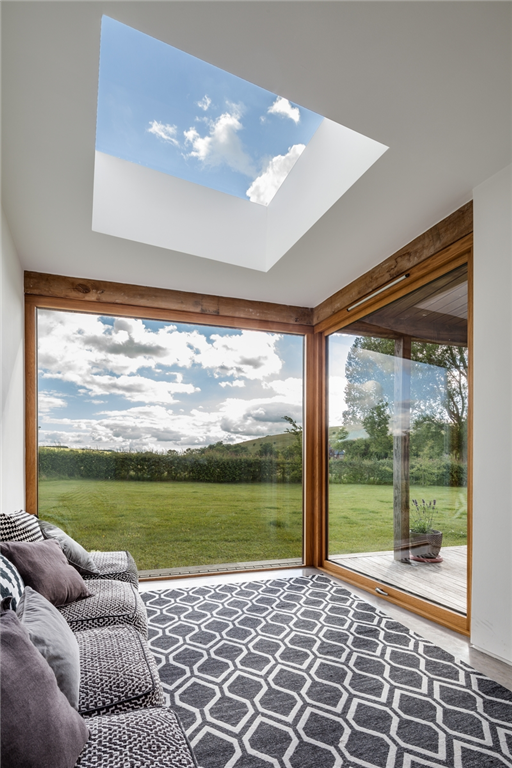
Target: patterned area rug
[{"x": 301, "y": 673}]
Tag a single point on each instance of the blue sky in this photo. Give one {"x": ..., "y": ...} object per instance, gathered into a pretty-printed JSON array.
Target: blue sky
[
  {"x": 126, "y": 384},
  {"x": 165, "y": 109}
]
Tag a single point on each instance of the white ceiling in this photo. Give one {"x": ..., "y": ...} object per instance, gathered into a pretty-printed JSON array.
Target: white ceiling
[{"x": 431, "y": 80}]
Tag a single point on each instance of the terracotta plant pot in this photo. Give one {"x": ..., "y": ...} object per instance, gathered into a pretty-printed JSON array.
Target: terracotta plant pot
[{"x": 426, "y": 545}]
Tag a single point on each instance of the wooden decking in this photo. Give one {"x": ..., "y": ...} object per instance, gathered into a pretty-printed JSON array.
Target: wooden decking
[{"x": 442, "y": 583}]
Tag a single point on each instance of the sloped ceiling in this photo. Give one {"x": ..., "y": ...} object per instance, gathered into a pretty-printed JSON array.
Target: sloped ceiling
[{"x": 431, "y": 80}]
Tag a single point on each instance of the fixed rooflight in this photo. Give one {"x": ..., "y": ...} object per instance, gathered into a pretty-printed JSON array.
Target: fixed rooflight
[{"x": 194, "y": 159}]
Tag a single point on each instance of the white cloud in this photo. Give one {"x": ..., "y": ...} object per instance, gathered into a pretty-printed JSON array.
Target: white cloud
[
  {"x": 164, "y": 131},
  {"x": 204, "y": 103},
  {"x": 236, "y": 383},
  {"x": 104, "y": 359},
  {"x": 120, "y": 357},
  {"x": 290, "y": 389},
  {"x": 265, "y": 186},
  {"x": 155, "y": 426},
  {"x": 47, "y": 401},
  {"x": 249, "y": 354},
  {"x": 222, "y": 144},
  {"x": 283, "y": 108}
]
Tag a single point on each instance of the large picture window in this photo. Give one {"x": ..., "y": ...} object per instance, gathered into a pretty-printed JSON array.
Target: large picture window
[{"x": 181, "y": 443}]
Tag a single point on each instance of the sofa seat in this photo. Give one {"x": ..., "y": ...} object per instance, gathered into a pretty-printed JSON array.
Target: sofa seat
[
  {"x": 117, "y": 671},
  {"x": 119, "y": 566},
  {"x": 146, "y": 738},
  {"x": 112, "y": 602}
]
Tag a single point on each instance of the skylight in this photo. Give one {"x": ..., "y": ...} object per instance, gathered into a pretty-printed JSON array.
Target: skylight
[
  {"x": 195, "y": 160},
  {"x": 167, "y": 110}
]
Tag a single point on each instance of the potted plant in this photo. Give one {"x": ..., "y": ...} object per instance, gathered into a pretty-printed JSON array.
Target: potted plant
[{"x": 425, "y": 540}]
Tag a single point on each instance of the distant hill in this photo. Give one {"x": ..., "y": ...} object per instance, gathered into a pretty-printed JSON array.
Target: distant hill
[{"x": 285, "y": 439}]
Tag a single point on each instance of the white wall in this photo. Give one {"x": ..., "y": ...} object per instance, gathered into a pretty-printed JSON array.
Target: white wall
[
  {"x": 491, "y": 624},
  {"x": 12, "y": 454}
]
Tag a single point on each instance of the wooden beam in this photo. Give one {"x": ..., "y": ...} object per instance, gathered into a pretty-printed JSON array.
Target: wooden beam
[
  {"x": 210, "y": 308},
  {"x": 448, "y": 231},
  {"x": 401, "y": 447}
]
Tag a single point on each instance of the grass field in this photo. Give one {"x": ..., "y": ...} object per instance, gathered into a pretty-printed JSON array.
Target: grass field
[
  {"x": 361, "y": 516},
  {"x": 166, "y": 525}
]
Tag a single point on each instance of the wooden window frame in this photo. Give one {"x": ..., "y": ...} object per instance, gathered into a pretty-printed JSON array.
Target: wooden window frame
[
  {"x": 278, "y": 324},
  {"x": 445, "y": 261}
]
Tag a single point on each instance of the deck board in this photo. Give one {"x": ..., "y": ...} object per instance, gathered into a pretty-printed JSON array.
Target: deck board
[{"x": 441, "y": 583}]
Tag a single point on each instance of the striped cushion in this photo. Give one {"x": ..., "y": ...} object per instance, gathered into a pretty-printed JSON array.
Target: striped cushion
[
  {"x": 19, "y": 526},
  {"x": 11, "y": 582}
]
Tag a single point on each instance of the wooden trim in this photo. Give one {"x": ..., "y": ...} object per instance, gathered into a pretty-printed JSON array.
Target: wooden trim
[
  {"x": 31, "y": 474},
  {"x": 172, "y": 315},
  {"x": 451, "y": 229},
  {"x": 313, "y": 464},
  {"x": 450, "y": 258},
  {"x": 211, "y": 308},
  {"x": 439, "y": 615}
]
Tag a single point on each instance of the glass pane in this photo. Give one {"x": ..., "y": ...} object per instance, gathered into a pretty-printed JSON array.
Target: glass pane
[
  {"x": 181, "y": 443},
  {"x": 398, "y": 409}
]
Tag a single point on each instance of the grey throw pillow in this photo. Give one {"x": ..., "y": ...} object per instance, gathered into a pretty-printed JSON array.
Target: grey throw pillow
[
  {"x": 38, "y": 726},
  {"x": 53, "y": 638},
  {"x": 43, "y": 567},
  {"x": 76, "y": 555}
]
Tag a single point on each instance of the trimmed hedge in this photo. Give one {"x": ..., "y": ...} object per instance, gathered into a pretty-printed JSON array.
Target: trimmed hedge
[
  {"x": 61, "y": 463},
  {"x": 444, "y": 471}
]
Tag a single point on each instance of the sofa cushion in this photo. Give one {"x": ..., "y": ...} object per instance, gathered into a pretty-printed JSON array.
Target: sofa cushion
[
  {"x": 19, "y": 526},
  {"x": 118, "y": 671},
  {"x": 114, "y": 565},
  {"x": 43, "y": 567},
  {"x": 147, "y": 738},
  {"x": 39, "y": 728},
  {"x": 113, "y": 602},
  {"x": 11, "y": 582},
  {"x": 76, "y": 555},
  {"x": 51, "y": 635}
]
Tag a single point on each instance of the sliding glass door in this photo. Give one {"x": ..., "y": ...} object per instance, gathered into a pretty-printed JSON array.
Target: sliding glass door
[
  {"x": 181, "y": 443},
  {"x": 397, "y": 437}
]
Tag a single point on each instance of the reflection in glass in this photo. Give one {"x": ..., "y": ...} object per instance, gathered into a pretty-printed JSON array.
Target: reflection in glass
[
  {"x": 398, "y": 400},
  {"x": 180, "y": 443}
]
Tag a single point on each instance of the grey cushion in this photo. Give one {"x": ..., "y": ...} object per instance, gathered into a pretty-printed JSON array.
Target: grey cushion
[
  {"x": 19, "y": 526},
  {"x": 115, "y": 565},
  {"x": 39, "y": 728},
  {"x": 148, "y": 738},
  {"x": 76, "y": 555},
  {"x": 113, "y": 602},
  {"x": 43, "y": 567},
  {"x": 53, "y": 638},
  {"x": 11, "y": 582},
  {"x": 118, "y": 671}
]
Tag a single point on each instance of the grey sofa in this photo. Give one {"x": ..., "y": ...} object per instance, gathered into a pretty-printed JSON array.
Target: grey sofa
[{"x": 120, "y": 695}]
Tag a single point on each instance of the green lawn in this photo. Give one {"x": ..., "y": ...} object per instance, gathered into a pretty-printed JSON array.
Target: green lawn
[
  {"x": 361, "y": 516},
  {"x": 165, "y": 525}
]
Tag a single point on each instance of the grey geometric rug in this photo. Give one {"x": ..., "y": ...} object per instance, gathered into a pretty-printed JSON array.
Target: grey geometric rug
[{"x": 301, "y": 673}]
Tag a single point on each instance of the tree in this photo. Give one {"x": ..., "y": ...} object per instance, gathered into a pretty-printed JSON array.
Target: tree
[
  {"x": 439, "y": 386},
  {"x": 376, "y": 424},
  {"x": 296, "y": 448}
]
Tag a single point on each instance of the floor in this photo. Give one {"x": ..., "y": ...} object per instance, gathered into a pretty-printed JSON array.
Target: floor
[
  {"x": 456, "y": 644},
  {"x": 442, "y": 583}
]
